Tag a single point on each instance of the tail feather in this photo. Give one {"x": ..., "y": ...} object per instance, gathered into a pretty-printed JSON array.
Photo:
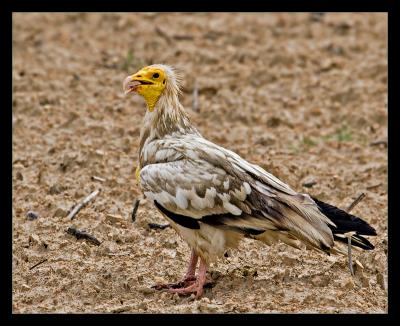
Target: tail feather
[{"x": 345, "y": 223}]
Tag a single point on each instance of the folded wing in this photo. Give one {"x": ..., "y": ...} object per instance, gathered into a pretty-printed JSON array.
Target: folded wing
[{"x": 212, "y": 185}]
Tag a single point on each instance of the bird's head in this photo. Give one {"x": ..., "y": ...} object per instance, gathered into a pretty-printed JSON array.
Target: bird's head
[{"x": 151, "y": 82}]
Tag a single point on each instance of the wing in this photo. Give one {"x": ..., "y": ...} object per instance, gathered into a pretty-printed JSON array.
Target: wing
[{"x": 212, "y": 185}]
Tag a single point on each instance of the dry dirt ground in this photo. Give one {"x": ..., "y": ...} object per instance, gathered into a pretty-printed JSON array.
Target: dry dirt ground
[{"x": 304, "y": 96}]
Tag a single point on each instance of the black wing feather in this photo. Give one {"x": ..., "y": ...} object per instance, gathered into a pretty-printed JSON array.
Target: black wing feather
[{"x": 346, "y": 222}]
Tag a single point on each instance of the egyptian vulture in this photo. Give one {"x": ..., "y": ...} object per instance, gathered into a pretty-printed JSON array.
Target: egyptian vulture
[{"x": 212, "y": 197}]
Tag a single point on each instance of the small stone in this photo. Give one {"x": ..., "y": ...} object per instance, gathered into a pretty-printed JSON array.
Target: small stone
[
  {"x": 35, "y": 239},
  {"x": 86, "y": 249},
  {"x": 360, "y": 277},
  {"x": 31, "y": 215},
  {"x": 170, "y": 244},
  {"x": 320, "y": 281},
  {"x": 266, "y": 140},
  {"x": 215, "y": 275},
  {"x": 309, "y": 299},
  {"x": 115, "y": 219},
  {"x": 25, "y": 287},
  {"x": 145, "y": 290},
  {"x": 205, "y": 300},
  {"x": 208, "y": 307},
  {"x": 273, "y": 122},
  {"x": 309, "y": 182},
  {"x": 56, "y": 189},
  {"x": 348, "y": 283},
  {"x": 142, "y": 305},
  {"x": 289, "y": 260},
  {"x": 380, "y": 279},
  {"x": 60, "y": 212},
  {"x": 19, "y": 176}
]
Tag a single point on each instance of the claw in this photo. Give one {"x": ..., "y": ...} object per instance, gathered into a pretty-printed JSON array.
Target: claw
[{"x": 182, "y": 284}]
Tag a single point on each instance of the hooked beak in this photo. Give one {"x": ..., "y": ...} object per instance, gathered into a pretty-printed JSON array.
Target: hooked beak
[
  {"x": 130, "y": 85},
  {"x": 132, "y": 82}
]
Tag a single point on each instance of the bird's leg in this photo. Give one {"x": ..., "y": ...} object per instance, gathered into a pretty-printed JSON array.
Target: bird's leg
[
  {"x": 189, "y": 276},
  {"x": 197, "y": 286}
]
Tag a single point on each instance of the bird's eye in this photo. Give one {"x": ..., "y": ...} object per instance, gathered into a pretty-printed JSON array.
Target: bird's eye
[{"x": 156, "y": 75}]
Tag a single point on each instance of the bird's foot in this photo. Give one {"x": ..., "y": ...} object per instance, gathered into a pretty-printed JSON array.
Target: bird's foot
[
  {"x": 196, "y": 287},
  {"x": 186, "y": 282}
]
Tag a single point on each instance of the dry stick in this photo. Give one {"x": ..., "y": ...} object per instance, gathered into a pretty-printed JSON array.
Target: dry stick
[
  {"x": 82, "y": 204},
  {"x": 355, "y": 202},
  {"x": 379, "y": 142},
  {"x": 349, "y": 255},
  {"x": 351, "y": 206},
  {"x": 183, "y": 37},
  {"x": 158, "y": 226},
  {"x": 160, "y": 32},
  {"x": 39, "y": 263},
  {"x": 135, "y": 208},
  {"x": 98, "y": 179},
  {"x": 195, "y": 104},
  {"x": 119, "y": 253},
  {"x": 83, "y": 235},
  {"x": 374, "y": 186}
]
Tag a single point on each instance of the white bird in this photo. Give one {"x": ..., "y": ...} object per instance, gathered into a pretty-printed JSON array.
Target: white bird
[{"x": 212, "y": 197}]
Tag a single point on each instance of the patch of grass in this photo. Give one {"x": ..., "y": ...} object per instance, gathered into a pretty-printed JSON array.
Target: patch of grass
[
  {"x": 129, "y": 60},
  {"x": 294, "y": 148},
  {"x": 341, "y": 134},
  {"x": 309, "y": 142}
]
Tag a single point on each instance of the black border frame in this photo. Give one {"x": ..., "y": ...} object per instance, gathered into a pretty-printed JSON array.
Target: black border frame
[{"x": 184, "y": 6}]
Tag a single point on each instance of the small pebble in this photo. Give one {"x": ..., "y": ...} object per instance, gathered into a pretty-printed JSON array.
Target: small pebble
[
  {"x": 25, "y": 287},
  {"x": 142, "y": 305},
  {"x": 56, "y": 189},
  {"x": 380, "y": 279},
  {"x": 19, "y": 176},
  {"x": 146, "y": 290},
  {"x": 35, "y": 239},
  {"x": 31, "y": 215},
  {"x": 60, "y": 212},
  {"x": 348, "y": 284},
  {"x": 115, "y": 219},
  {"x": 309, "y": 182}
]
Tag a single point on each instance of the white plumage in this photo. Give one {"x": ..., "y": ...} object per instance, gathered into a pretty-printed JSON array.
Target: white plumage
[{"x": 210, "y": 195}]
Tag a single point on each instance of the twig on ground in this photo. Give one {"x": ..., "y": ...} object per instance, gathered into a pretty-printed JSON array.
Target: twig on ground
[
  {"x": 379, "y": 142},
  {"x": 160, "y": 32},
  {"x": 195, "y": 104},
  {"x": 119, "y": 253},
  {"x": 83, "y": 235},
  {"x": 98, "y": 179},
  {"x": 183, "y": 37},
  {"x": 355, "y": 202},
  {"x": 350, "y": 234},
  {"x": 349, "y": 255},
  {"x": 82, "y": 204},
  {"x": 39, "y": 263},
  {"x": 309, "y": 184},
  {"x": 136, "y": 203},
  {"x": 374, "y": 186},
  {"x": 158, "y": 226}
]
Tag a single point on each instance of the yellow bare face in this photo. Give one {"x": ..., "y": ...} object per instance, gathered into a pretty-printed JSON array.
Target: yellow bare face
[{"x": 149, "y": 82}]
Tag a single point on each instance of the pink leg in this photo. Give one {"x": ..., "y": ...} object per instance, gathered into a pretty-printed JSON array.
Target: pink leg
[
  {"x": 188, "y": 279},
  {"x": 198, "y": 286},
  {"x": 190, "y": 274}
]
